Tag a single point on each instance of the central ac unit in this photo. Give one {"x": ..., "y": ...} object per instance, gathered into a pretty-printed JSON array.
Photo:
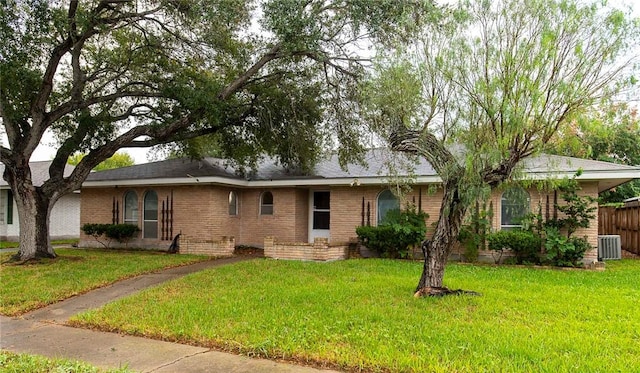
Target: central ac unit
[{"x": 609, "y": 247}]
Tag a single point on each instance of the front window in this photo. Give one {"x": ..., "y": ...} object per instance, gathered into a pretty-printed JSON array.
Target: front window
[
  {"x": 131, "y": 208},
  {"x": 321, "y": 210},
  {"x": 150, "y": 228},
  {"x": 266, "y": 203},
  {"x": 387, "y": 201},
  {"x": 233, "y": 204},
  {"x": 514, "y": 206}
]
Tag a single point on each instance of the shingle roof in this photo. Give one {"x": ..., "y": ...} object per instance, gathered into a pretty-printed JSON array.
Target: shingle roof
[
  {"x": 171, "y": 168},
  {"x": 557, "y": 163},
  {"x": 375, "y": 170},
  {"x": 376, "y": 165},
  {"x": 39, "y": 172}
]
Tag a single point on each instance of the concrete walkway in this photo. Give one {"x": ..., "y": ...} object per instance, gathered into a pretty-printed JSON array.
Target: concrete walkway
[{"x": 42, "y": 332}]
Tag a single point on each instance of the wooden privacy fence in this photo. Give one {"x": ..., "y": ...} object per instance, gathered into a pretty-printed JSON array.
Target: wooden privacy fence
[{"x": 623, "y": 221}]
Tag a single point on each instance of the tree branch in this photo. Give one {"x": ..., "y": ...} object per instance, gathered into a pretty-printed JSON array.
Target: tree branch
[
  {"x": 239, "y": 82},
  {"x": 177, "y": 137},
  {"x": 71, "y": 106},
  {"x": 425, "y": 144}
]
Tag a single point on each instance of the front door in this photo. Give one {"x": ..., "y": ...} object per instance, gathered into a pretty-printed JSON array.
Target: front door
[{"x": 320, "y": 215}]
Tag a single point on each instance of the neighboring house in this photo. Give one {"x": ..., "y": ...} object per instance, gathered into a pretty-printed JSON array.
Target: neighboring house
[
  {"x": 633, "y": 201},
  {"x": 65, "y": 215},
  {"x": 212, "y": 206}
]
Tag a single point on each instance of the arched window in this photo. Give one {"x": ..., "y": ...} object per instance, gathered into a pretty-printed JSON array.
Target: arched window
[
  {"x": 233, "y": 203},
  {"x": 387, "y": 201},
  {"x": 514, "y": 205},
  {"x": 266, "y": 203},
  {"x": 150, "y": 227},
  {"x": 131, "y": 208}
]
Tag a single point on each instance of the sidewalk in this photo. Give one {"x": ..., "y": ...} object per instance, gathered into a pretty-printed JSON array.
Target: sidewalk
[{"x": 41, "y": 332}]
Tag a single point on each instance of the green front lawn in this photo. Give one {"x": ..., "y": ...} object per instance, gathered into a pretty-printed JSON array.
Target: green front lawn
[
  {"x": 75, "y": 271},
  {"x": 10, "y": 362},
  {"x": 360, "y": 314},
  {"x": 8, "y": 244},
  {"x": 15, "y": 245}
]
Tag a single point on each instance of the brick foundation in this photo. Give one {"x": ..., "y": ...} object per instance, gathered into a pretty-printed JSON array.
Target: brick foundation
[
  {"x": 319, "y": 250},
  {"x": 221, "y": 248}
]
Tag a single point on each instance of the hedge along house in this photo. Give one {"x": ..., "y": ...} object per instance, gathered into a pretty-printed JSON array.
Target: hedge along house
[
  {"x": 65, "y": 214},
  {"x": 299, "y": 216}
]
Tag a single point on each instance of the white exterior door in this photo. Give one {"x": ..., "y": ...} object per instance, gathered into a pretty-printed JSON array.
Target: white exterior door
[{"x": 319, "y": 214}]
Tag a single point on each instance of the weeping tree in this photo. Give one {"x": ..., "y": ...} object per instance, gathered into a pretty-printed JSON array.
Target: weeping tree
[
  {"x": 260, "y": 77},
  {"x": 476, "y": 95}
]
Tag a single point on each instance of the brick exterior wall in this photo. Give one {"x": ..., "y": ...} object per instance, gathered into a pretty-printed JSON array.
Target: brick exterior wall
[
  {"x": 289, "y": 221},
  {"x": 201, "y": 212},
  {"x": 319, "y": 250},
  {"x": 538, "y": 198},
  {"x": 346, "y": 207}
]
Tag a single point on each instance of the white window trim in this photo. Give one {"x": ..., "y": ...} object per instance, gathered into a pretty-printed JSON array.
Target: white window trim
[
  {"x": 144, "y": 214},
  {"x": 272, "y": 204},
  {"x": 124, "y": 208}
]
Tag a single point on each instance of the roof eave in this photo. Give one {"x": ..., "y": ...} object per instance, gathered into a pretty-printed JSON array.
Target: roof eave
[
  {"x": 613, "y": 178},
  {"x": 617, "y": 177},
  {"x": 348, "y": 181}
]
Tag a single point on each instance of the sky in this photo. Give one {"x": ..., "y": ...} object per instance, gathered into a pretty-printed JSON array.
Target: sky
[{"x": 47, "y": 148}]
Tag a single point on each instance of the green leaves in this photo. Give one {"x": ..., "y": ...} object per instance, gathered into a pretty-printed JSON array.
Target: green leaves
[
  {"x": 242, "y": 68},
  {"x": 120, "y": 159},
  {"x": 564, "y": 251},
  {"x": 396, "y": 234},
  {"x": 524, "y": 245},
  {"x": 501, "y": 78},
  {"x": 393, "y": 96},
  {"x": 609, "y": 133},
  {"x": 307, "y": 25}
]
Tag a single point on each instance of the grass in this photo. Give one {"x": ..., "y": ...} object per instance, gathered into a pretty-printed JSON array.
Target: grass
[
  {"x": 8, "y": 244},
  {"x": 75, "y": 271},
  {"x": 18, "y": 363},
  {"x": 360, "y": 315},
  {"x": 14, "y": 245},
  {"x": 69, "y": 242}
]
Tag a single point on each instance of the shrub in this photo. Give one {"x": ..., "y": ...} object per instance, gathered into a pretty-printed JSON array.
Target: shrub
[
  {"x": 119, "y": 232},
  {"x": 564, "y": 251},
  {"x": 524, "y": 245},
  {"x": 396, "y": 234},
  {"x": 577, "y": 212},
  {"x": 581, "y": 245}
]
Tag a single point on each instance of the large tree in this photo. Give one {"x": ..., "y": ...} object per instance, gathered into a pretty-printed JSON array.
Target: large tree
[
  {"x": 610, "y": 134},
  {"x": 259, "y": 76},
  {"x": 476, "y": 95}
]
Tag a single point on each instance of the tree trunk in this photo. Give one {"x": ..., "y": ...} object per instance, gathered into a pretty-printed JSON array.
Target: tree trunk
[
  {"x": 33, "y": 213},
  {"x": 34, "y": 209},
  {"x": 437, "y": 250}
]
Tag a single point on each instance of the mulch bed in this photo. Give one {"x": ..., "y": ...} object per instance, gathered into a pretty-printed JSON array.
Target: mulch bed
[{"x": 248, "y": 251}]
